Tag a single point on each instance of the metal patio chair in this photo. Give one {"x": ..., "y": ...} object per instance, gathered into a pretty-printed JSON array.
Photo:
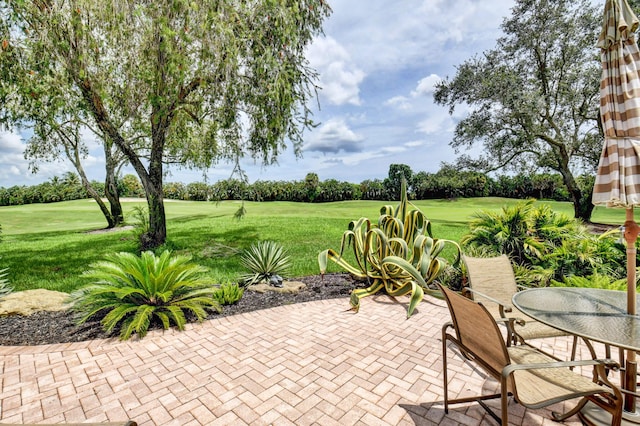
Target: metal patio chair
[
  {"x": 533, "y": 378},
  {"x": 492, "y": 281}
]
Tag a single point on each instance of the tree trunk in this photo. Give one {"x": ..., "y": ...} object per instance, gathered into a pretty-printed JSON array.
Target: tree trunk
[
  {"x": 157, "y": 233},
  {"x": 111, "y": 186},
  {"x": 582, "y": 206},
  {"x": 111, "y": 192},
  {"x": 111, "y": 223},
  {"x": 73, "y": 154},
  {"x": 151, "y": 179}
]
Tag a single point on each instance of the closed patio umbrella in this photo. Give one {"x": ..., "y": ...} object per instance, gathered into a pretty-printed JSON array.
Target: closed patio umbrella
[{"x": 617, "y": 182}]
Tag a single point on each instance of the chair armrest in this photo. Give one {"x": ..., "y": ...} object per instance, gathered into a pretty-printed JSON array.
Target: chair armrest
[
  {"x": 609, "y": 363},
  {"x": 503, "y": 308},
  {"x": 509, "y": 321}
]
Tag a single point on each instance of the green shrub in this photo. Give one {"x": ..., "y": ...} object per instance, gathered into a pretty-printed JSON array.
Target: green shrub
[
  {"x": 240, "y": 213},
  {"x": 129, "y": 291},
  {"x": 265, "y": 260},
  {"x": 544, "y": 245},
  {"x": 594, "y": 281},
  {"x": 228, "y": 294},
  {"x": 511, "y": 231},
  {"x": 398, "y": 255}
]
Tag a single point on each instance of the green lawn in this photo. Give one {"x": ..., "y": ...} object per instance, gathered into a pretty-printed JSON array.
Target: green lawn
[{"x": 48, "y": 245}]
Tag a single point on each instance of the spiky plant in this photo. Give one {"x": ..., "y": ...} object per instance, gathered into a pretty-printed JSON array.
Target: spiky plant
[
  {"x": 141, "y": 222},
  {"x": 510, "y": 231},
  {"x": 4, "y": 283},
  {"x": 265, "y": 259},
  {"x": 228, "y": 294},
  {"x": 129, "y": 291},
  {"x": 398, "y": 255}
]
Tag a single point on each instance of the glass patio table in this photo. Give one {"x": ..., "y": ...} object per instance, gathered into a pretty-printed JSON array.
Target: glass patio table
[{"x": 595, "y": 315}]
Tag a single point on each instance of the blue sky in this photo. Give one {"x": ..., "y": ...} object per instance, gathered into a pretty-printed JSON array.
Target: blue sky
[{"x": 378, "y": 63}]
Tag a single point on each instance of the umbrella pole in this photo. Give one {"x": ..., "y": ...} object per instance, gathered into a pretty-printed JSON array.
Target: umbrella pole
[{"x": 631, "y": 232}]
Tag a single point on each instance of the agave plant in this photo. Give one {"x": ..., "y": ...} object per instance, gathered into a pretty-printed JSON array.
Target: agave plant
[
  {"x": 129, "y": 291},
  {"x": 265, "y": 260},
  {"x": 398, "y": 255}
]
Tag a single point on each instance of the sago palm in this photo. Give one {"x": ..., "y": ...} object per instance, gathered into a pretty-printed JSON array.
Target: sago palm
[{"x": 129, "y": 291}]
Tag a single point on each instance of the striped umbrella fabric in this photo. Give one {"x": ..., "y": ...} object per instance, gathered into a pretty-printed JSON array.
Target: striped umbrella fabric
[{"x": 617, "y": 181}]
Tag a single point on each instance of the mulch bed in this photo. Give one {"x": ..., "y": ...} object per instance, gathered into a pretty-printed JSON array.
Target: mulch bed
[{"x": 59, "y": 327}]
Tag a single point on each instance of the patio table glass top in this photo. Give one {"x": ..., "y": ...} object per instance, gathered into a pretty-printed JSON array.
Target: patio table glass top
[{"x": 595, "y": 314}]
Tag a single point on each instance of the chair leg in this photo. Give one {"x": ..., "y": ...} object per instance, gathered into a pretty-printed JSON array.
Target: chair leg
[
  {"x": 445, "y": 377},
  {"x": 574, "y": 348},
  {"x": 558, "y": 417},
  {"x": 504, "y": 401}
]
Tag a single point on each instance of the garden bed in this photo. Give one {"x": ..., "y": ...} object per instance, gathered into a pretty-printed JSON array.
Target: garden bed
[{"x": 48, "y": 327}]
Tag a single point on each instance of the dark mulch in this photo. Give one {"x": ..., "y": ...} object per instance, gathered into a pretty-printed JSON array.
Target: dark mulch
[{"x": 59, "y": 327}]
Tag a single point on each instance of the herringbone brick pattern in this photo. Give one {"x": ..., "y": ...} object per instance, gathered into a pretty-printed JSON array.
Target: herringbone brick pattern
[{"x": 308, "y": 364}]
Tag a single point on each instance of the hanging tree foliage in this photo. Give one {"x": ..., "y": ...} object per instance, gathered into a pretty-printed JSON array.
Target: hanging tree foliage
[{"x": 193, "y": 82}]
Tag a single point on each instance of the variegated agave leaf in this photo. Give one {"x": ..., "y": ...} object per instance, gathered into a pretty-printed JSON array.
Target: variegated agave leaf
[{"x": 398, "y": 255}]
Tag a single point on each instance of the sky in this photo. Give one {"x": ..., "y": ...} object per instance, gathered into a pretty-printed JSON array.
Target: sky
[{"x": 378, "y": 62}]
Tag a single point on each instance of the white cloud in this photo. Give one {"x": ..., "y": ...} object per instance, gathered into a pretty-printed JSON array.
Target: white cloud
[
  {"x": 334, "y": 136},
  {"x": 393, "y": 149},
  {"x": 426, "y": 86},
  {"x": 383, "y": 35},
  {"x": 14, "y": 168},
  {"x": 90, "y": 139},
  {"x": 356, "y": 158},
  {"x": 423, "y": 91},
  {"x": 435, "y": 123},
  {"x": 10, "y": 142},
  {"x": 414, "y": 144},
  {"x": 400, "y": 102},
  {"x": 339, "y": 77}
]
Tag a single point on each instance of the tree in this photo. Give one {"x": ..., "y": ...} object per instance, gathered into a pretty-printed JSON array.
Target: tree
[
  {"x": 392, "y": 184},
  {"x": 534, "y": 98},
  {"x": 54, "y": 137},
  {"x": 195, "y": 82},
  {"x": 55, "y": 120},
  {"x": 312, "y": 186}
]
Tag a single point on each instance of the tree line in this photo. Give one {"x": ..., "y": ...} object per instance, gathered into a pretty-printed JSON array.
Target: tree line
[
  {"x": 447, "y": 183},
  {"x": 198, "y": 83}
]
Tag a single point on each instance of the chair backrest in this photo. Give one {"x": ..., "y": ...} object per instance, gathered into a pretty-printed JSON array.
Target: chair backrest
[
  {"x": 492, "y": 276},
  {"x": 477, "y": 331}
]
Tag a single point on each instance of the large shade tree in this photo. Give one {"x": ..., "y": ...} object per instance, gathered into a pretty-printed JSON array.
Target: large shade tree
[
  {"x": 173, "y": 80},
  {"x": 533, "y": 100}
]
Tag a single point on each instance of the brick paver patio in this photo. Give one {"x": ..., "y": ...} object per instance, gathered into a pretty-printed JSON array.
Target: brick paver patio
[{"x": 304, "y": 364}]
